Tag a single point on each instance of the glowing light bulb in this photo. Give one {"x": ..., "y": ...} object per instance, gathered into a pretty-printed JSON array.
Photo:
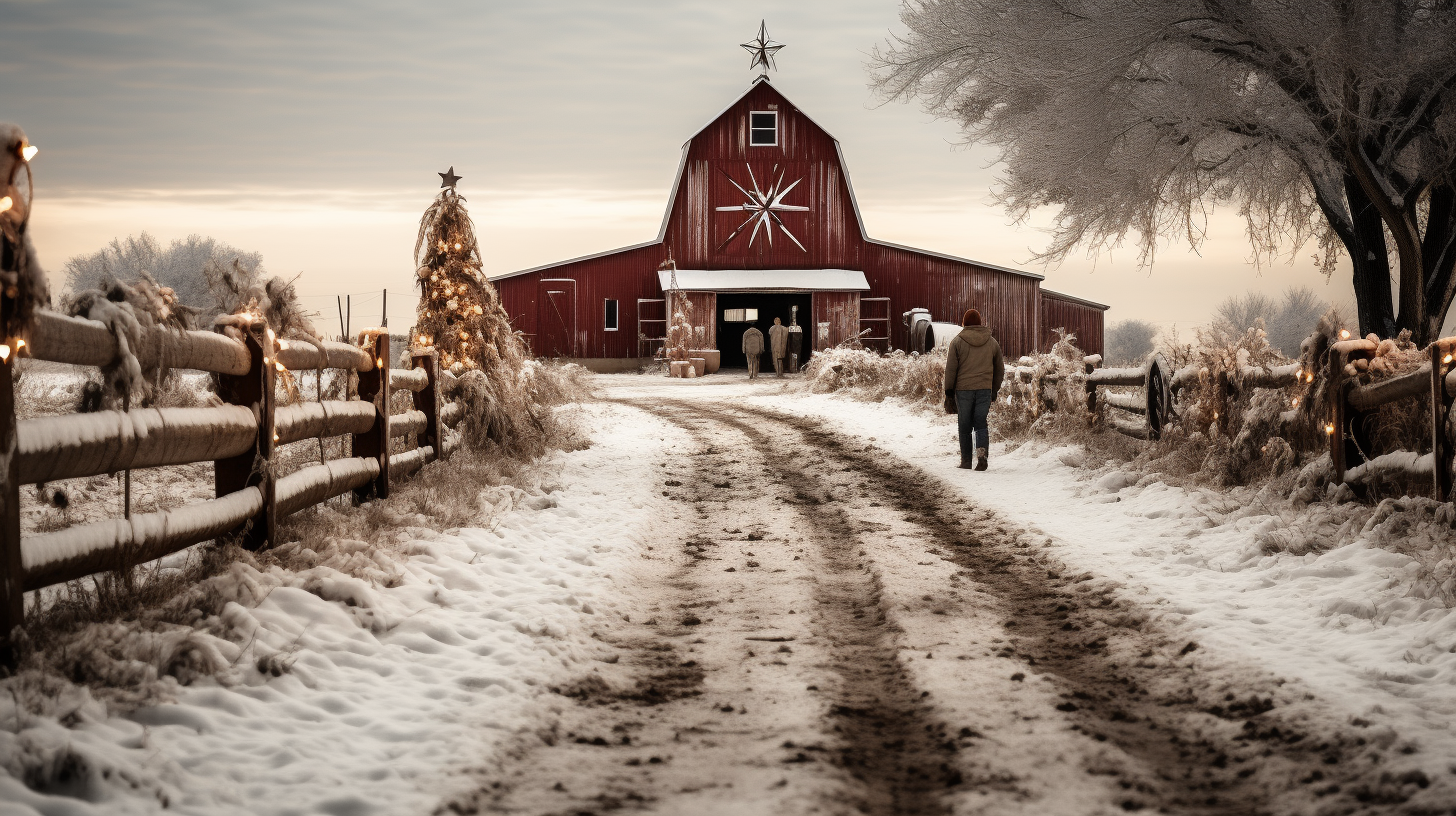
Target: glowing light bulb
[
  {"x": 1309, "y": 377},
  {"x": 6, "y": 203},
  {"x": 1446, "y": 359},
  {"x": 275, "y": 436},
  {"x": 4, "y": 352},
  {"x": 1344, "y": 334},
  {"x": 28, "y": 152},
  {"x": 1329, "y": 429},
  {"x": 457, "y": 246},
  {"x": 280, "y": 367},
  {"x": 1295, "y": 402},
  {"x": 1215, "y": 415},
  {"x": 20, "y": 344},
  {"x": 379, "y": 362}
]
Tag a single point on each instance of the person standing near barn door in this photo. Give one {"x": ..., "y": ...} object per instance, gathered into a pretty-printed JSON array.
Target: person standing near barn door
[
  {"x": 753, "y": 349},
  {"x": 973, "y": 373},
  {"x": 778, "y": 340}
]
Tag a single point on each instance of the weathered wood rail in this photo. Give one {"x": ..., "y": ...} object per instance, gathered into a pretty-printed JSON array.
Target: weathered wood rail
[
  {"x": 239, "y": 438},
  {"x": 1145, "y": 413}
]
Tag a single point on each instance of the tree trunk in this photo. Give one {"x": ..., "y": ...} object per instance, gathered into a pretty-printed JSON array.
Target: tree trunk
[
  {"x": 1439, "y": 253},
  {"x": 1371, "y": 264}
]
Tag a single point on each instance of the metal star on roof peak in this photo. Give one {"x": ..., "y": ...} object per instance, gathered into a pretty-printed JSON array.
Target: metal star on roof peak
[
  {"x": 762, "y": 49},
  {"x": 448, "y": 178}
]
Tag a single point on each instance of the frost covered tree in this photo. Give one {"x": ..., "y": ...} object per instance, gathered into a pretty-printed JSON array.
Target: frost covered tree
[
  {"x": 1129, "y": 341},
  {"x": 191, "y": 267},
  {"x": 1287, "y": 322},
  {"x": 1319, "y": 119}
]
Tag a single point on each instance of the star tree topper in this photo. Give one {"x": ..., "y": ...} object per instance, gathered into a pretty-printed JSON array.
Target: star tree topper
[
  {"x": 762, "y": 49},
  {"x": 448, "y": 178}
]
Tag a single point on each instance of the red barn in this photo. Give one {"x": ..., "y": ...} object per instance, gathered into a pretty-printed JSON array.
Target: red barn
[{"x": 762, "y": 218}]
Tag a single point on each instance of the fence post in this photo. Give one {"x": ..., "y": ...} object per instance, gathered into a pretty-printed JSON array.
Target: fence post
[
  {"x": 1442, "y": 449},
  {"x": 252, "y": 468},
  {"x": 427, "y": 399},
  {"x": 1088, "y": 368},
  {"x": 12, "y": 568},
  {"x": 1335, "y": 379},
  {"x": 374, "y": 443}
]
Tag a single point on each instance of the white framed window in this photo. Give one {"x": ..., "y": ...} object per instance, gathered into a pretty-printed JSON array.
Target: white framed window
[
  {"x": 740, "y": 315},
  {"x": 609, "y": 314},
  {"x": 763, "y": 128}
]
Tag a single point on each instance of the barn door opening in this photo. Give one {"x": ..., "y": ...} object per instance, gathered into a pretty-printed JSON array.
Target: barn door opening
[{"x": 556, "y": 317}]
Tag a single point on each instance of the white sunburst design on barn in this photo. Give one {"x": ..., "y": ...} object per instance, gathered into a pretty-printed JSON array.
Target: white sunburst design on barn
[{"x": 763, "y": 207}]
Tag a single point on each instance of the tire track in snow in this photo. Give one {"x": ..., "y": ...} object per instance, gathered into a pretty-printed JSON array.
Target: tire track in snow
[
  {"x": 888, "y": 738},
  {"x": 1209, "y": 750}
]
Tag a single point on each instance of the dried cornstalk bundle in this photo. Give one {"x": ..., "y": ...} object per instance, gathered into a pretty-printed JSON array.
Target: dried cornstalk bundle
[{"x": 131, "y": 309}]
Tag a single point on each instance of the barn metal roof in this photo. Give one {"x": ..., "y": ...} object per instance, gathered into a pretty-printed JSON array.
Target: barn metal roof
[{"x": 766, "y": 280}]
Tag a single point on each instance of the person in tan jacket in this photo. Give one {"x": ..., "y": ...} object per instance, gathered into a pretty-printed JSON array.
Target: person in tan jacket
[
  {"x": 752, "y": 349},
  {"x": 778, "y": 338},
  {"x": 973, "y": 373}
]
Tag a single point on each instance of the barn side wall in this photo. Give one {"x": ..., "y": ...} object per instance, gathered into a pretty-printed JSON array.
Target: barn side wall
[
  {"x": 623, "y": 276},
  {"x": 1008, "y": 302},
  {"x": 1081, "y": 319}
]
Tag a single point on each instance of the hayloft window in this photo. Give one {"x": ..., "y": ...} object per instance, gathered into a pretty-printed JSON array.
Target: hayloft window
[
  {"x": 763, "y": 128},
  {"x": 610, "y": 315}
]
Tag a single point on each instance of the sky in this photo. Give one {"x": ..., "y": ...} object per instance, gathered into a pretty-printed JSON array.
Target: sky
[{"x": 313, "y": 133}]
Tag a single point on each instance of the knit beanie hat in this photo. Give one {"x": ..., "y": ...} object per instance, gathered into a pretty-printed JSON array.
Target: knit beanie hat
[{"x": 972, "y": 318}]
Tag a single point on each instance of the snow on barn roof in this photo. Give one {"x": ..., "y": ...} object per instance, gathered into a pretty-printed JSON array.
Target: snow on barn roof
[{"x": 766, "y": 280}]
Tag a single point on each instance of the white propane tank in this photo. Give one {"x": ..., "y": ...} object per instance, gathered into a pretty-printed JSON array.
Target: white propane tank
[{"x": 941, "y": 334}]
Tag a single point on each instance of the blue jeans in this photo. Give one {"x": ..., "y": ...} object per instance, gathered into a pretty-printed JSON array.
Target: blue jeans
[{"x": 972, "y": 408}]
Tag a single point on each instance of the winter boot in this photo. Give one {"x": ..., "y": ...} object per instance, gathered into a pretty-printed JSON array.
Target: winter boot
[
  {"x": 966, "y": 464},
  {"x": 980, "y": 458}
]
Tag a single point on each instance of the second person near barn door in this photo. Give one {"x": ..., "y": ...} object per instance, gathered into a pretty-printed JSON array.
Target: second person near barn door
[
  {"x": 778, "y": 339},
  {"x": 753, "y": 349},
  {"x": 973, "y": 373}
]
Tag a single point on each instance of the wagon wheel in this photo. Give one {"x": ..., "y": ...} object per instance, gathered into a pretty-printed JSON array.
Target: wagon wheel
[{"x": 1159, "y": 396}]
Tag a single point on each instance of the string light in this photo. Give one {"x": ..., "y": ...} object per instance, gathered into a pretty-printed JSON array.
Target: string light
[
  {"x": 1344, "y": 334},
  {"x": 28, "y": 152},
  {"x": 1446, "y": 359},
  {"x": 4, "y": 352},
  {"x": 1295, "y": 402},
  {"x": 20, "y": 344},
  {"x": 6, "y": 203},
  {"x": 1329, "y": 429}
]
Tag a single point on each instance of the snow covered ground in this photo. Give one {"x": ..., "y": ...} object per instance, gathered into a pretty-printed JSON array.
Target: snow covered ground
[
  {"x": 1343, "y": 622},
  {"x": 344, "y": 696},
  {"x": 386, "y": 696}
]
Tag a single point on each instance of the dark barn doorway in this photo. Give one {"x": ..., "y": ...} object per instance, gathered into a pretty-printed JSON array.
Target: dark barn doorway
[{"x": 769, "y": 306}]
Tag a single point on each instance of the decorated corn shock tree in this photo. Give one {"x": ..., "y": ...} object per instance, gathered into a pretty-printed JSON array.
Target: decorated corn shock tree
[
  {"x": 680, "y": 323},
  {"x": 461, "y": 318}
]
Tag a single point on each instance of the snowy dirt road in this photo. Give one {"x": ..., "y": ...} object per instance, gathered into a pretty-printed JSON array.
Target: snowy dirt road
[{"x": 825, "y": 628}]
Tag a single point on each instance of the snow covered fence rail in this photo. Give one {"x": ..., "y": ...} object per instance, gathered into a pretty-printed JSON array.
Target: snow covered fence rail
[
  {"x": 240, "y": 439},
  {"x": 1353, "y": 403}
]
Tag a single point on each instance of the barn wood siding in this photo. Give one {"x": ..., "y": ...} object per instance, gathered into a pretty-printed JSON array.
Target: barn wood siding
[
  {"x": 1062, "y": 312},
  {"x": 835, "y": 319},
  {"x": 1008, "y": 302},
  {"x": 624, "y": 276},
  {"x": 828, "y": 231}
]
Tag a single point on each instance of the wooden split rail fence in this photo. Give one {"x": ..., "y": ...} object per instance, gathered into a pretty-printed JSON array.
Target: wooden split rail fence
[
  {"x": 1144, "y": 414},
  {"x": 240, "y": 439}
]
